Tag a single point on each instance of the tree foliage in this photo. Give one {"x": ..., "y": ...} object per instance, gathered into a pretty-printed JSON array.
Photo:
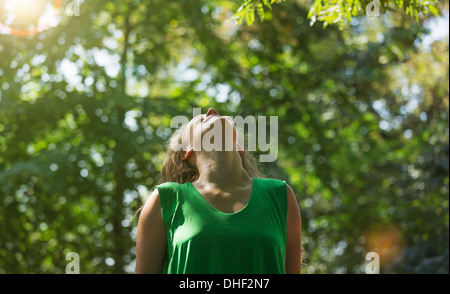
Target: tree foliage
[
  {"x": 85, "y": 109},
  {"x": 341, "y": 11}
]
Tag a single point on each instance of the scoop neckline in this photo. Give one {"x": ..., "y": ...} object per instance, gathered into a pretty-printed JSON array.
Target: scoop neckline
[{"x": 220, "y": 211}]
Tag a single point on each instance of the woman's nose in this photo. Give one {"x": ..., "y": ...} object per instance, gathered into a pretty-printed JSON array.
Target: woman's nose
[{"x": 211, "y": 111}]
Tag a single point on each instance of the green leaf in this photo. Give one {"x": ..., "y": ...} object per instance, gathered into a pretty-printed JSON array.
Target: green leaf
[
  {"x": 312, "y": 11},
  {"x": 433, "y": 9},
  {"x": 267, "y": 4},
  {"x": 260, "y": 10},
  {"x": 250, "y": 17}
]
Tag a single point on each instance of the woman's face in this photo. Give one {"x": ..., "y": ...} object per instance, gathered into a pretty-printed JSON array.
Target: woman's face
[{"x": 205, "y": 128}]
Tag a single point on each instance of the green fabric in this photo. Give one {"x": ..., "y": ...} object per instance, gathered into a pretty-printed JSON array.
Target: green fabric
[{"x": 202, "y": 239}]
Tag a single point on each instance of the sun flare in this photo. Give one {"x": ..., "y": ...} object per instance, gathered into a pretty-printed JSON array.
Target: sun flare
[{"x": 28, "y": 17}]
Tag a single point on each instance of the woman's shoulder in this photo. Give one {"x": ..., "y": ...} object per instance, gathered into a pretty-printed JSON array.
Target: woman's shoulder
[
  {"x": 276, "y": 192},
  {"x": 272, "y": 182},
  {"x": 276, "y": 188},
  {"x": 168, "y": 185},
  {"x": 169, "y": 194},
  {"x": 168, "y": 188}
]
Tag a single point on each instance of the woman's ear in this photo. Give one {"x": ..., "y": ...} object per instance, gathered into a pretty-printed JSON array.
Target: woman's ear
[{"x": 186, "y": 154}]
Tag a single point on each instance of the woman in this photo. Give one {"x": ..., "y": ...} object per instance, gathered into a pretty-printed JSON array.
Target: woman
[{"x": 214, "y": 213}]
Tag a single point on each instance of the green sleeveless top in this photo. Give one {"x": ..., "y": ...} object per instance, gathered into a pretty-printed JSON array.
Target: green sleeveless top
[{"x": 203, "y": 239}]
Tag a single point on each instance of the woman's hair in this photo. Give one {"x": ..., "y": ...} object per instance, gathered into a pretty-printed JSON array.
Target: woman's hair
[{"x": 175, "y": 169}]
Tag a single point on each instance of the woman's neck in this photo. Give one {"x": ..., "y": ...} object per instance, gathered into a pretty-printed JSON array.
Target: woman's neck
[{"x": 222, "y": 169}]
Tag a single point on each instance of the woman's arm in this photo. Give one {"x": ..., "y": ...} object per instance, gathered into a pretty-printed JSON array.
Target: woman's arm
[
  {"x": 293, "y": 234},
  {"x": 151, "y": 241}
]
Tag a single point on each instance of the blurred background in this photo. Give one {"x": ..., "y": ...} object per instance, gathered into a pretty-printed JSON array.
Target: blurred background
[{"x": 87, "y": 95}]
